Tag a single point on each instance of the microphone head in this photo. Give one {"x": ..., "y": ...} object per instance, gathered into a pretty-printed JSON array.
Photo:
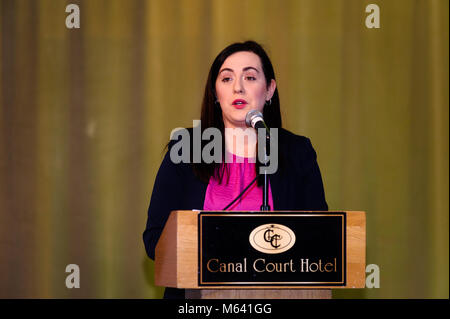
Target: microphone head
[{"x": 252, "y": 117}]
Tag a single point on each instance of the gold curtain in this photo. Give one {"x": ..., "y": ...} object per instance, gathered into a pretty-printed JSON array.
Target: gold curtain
[{"x": 85, "y": 114}]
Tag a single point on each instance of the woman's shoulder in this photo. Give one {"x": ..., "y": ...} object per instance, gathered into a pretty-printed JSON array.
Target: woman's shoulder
[
  {"x": 298, "y": 150},
  {"x": 180, "y": 134},
  {"x": 290, "y": 139}
]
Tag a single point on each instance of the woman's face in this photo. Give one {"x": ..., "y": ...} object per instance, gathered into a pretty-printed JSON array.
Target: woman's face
[{"x": 241, "y": 87}]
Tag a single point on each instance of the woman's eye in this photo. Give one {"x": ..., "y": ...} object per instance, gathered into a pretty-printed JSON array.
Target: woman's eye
[
  {"x": 226, "y": 79},
  {"x": 251, "y": 78}
]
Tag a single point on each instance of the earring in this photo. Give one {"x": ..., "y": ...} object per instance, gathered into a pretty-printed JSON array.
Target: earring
[{"x": 269, "y": 102}]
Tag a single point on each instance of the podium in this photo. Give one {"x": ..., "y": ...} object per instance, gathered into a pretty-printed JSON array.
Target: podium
[{"x": 274, "y": 255}]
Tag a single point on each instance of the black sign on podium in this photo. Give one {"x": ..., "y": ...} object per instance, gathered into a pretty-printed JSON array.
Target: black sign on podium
[{"x": 270, "y": 249}]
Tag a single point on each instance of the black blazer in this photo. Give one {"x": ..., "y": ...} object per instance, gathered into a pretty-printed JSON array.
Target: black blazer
[{"x": 296, "y": 185}]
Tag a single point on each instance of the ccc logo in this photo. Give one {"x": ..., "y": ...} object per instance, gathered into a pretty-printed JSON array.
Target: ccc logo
[{"x": 272, "y": 238}]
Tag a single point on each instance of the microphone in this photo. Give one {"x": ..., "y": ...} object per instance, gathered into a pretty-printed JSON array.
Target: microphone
[{"x": 255, "y": 119}]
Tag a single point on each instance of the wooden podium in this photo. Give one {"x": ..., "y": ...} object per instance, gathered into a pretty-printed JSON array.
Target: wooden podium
[{"x": 275, "y": 255}]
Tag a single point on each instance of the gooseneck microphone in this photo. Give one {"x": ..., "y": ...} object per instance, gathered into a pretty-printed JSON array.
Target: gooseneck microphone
[{"x": 255, "y": 119}]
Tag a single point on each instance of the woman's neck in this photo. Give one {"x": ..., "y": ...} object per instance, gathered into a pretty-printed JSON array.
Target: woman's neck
[{"x": 240, "y": 141}]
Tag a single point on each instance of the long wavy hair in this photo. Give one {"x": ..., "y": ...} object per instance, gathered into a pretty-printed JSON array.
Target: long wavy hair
[{"x": 211, "y": 113}]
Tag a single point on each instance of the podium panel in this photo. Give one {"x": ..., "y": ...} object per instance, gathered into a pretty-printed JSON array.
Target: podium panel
[{"x": 251, "y": 251}]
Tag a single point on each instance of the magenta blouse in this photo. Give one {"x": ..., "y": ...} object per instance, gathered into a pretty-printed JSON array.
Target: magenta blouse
[{"x": 242, "y": 172}]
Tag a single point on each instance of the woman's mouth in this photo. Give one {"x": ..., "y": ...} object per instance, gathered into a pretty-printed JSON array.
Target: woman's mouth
[{"x": 239, "y": 103}]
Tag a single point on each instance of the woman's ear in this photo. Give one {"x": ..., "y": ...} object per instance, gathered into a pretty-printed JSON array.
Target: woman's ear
[{"x": 271, "y": 89}]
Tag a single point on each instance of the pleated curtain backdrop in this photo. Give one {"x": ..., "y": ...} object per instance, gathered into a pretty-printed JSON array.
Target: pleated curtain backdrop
[{"x": 85, "y": 114}]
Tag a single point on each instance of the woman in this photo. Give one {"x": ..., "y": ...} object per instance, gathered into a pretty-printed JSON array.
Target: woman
[{"x": 241, "y": 79}]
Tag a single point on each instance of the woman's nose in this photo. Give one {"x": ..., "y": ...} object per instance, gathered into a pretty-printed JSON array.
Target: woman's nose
[{"x": 238, "y": 86}]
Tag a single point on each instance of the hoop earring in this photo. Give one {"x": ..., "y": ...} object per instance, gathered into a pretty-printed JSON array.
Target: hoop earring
[{"x": 269, "y": 102}]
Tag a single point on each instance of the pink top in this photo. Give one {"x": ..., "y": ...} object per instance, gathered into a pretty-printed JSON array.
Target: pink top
[{"x": 242, "y": 172}]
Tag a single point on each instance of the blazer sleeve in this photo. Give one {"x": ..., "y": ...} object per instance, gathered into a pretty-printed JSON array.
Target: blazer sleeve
[
  {"x": 310, "y": 177},
  {"x": 165, "y": 198}
]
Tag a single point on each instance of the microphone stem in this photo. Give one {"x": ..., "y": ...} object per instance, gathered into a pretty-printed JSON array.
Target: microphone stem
[{"x": 265, "y": 205}]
